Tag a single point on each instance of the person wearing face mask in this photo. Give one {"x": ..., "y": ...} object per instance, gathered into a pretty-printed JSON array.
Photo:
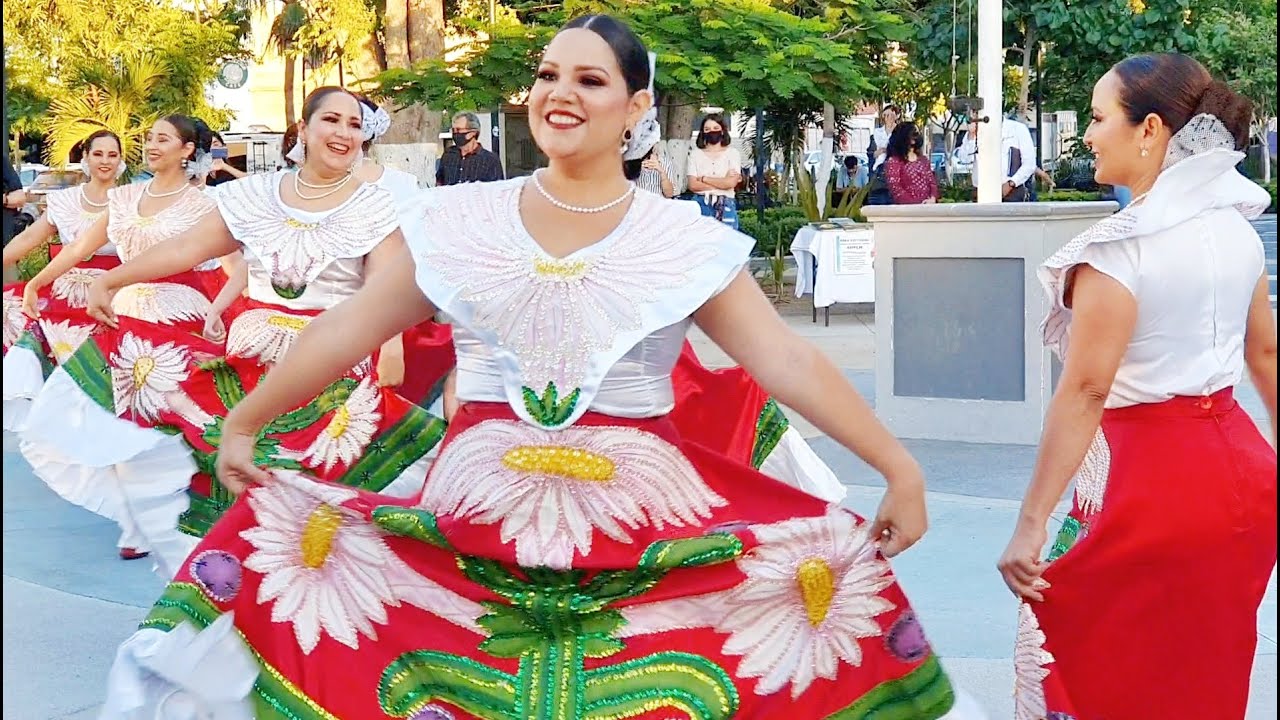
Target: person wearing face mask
[
  {"x": 310, "y": 239},
  {"x": 72, "y": 436},
  {"x": 467, "y": 161},
  {"x": 31, "y": 347},
  {"x": 908, "y": 173},
  {"x": 714, "y": 170},
  {"x": 570, "y": 555},
  {"x": 1146, "y": 605}
]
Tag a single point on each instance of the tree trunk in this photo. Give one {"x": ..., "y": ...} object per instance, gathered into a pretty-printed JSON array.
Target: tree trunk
[
  {"x": 1024, "y": 87},
  {"x": 680, "y": 113},
  {"x": 425, "y": 31},
  {"x": 395, "y": 31},
  {"x": 290, "y": 112}
]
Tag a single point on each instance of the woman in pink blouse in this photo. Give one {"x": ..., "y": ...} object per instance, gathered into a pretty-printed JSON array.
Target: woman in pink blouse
[{"x": 907, "y": 171}]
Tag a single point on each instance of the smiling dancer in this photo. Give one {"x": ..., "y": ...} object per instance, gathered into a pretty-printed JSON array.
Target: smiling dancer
[
  {"x": 1148, "y": 605},
  {"x": 74, "y": 438},
  {"x": 311, "y": 239},
  {"x": 570, "y": 556},
  {"x": 32, "y": 347}
]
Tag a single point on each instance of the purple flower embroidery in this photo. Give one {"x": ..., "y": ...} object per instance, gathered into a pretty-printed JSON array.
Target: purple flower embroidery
[
  {"x": 218, "y": 573},
  {"x": 1059, "y": 716},
  {"x": 906, "y": 638},
  {"x": 432, "y": 712}
]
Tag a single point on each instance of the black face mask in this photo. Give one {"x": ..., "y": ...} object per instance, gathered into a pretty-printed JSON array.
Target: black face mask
[
  {"x": 461, "y": 138},
  {"x": 713, "y": 138}
]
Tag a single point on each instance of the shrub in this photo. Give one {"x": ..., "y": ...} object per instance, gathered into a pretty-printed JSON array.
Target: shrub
[
  {"x": 780, "y": 225},
  {"x": 1070, "y": 196}
]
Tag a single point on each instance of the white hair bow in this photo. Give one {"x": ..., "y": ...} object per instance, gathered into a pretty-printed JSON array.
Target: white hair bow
[{"x": 647, "y": 132}]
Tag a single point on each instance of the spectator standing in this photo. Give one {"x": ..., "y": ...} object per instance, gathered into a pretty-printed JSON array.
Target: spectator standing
[
  {"x": 1019, "y": 158},
  {"x": 908, "y": 171},
  {"x": 467, "y": 161},
  {"x": 715, "y": 169}
]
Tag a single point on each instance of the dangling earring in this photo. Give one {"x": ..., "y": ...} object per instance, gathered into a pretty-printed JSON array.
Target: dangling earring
[
  {"x": 185, "y": 163},
  {"x": 1145, "y": 152},
  {"x": 626, "y": 139}
]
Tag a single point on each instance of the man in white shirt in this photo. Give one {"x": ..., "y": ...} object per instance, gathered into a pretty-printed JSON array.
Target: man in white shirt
[{"x": 1019, "y": 153}]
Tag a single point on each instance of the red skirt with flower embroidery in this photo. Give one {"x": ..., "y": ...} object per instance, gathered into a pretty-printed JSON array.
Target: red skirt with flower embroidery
[
  {"x": 64, "y": 295},
  {"x": 604, "y": 570},
  {"x": 1156, "y": 582}
]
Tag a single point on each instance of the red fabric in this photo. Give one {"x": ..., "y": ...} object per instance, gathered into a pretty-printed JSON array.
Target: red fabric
[
  {"x": 910, "y": 182},
  {"x": 344, "y": 681},
  {"x": 718, "y": 409},
  {"x": 428, "y": 358},
  {"x": 50, "y": 307},
  {"x": 1153, "y": 612}
]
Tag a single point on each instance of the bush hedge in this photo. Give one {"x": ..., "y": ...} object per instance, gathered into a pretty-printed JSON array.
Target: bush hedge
[{"x": 780, "y": 225}]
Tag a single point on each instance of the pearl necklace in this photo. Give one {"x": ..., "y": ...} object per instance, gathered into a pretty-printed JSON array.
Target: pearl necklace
[
  {"x": 631, "y": 187},
  {"x": 324, "y": 186},
  {"x": 85, "y": 197},
  {"x": 297, "y": 189},
  {"x": 149, "y": 192}
]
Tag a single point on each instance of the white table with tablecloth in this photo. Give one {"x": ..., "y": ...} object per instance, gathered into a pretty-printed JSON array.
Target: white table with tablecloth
[{"x": 835, "y": 264}]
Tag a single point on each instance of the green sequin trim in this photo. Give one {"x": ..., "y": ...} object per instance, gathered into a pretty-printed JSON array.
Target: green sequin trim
[
  {"x": 274, "y": 697},
  {"x": 682, "y": 681},
  {"x": 416, "y": 678},
  {"x": 411, "y": 523},
  {"x": 395, "y": 450},
  {"x": 88, "y": 367},
  {"x": 923, "y": 694},
  {"x": 289, "y": 293},
  {"x": 1067, "y": 536},
  {"x": 550, "y": 410},
  {"x": 28, "y": 340},
  {"x": 769, "y": 429}
]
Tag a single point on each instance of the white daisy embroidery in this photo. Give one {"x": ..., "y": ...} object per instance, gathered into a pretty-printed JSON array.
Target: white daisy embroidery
[
  {"x": 164, "y": 303},
  {"x": 65, "y": 338},
  {"x": 14, "y": 321},
  {"x": 264, "y": 335},
  {"x": 350, "y": 429},
  {"x": 73, "y": 286},
  {"x": 811, "y": 594},
  {"x": 329, "y": 570},
  {"x": 1030, "y": 667},
  {"x": 551, "y": 491},
  {"x": 142, "y": 374}
]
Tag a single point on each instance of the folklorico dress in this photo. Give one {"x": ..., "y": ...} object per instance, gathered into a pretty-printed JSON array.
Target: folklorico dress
[
  {"x": 570, "y": 556},
  {"x": 32, "y": 357},
  {"x": 1157, "y": 573},
  {"x": 355, "y": 433},
  {"x": 74, "y": 437}
]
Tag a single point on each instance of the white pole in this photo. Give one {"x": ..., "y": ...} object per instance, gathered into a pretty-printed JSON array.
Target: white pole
[{"x": 991, "y": 87}]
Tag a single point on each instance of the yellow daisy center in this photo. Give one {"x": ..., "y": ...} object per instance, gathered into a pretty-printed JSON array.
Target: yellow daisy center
[
  {"x": 565, "y": 269},
  {"x": 338, "y": 425},
  {"x": 63, "y": 349},
  {"x": 317, "y": 537},
  {"x": 817, "y": 588},
  {"x": 572, "y": 463},
  {"x": 142, "y": 369},
  {"x": 287, "y": 322},
  {"x": 144, "y": 291}
]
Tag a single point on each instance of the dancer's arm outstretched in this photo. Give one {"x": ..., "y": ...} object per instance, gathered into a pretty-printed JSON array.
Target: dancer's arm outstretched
[
  {"x": 388, "y": 303},
  {"x": 29, "y": 239},
  {"x": 744, "y": 324},
  {"x": 84, "y": 246},
  {"x": 209, "y": 239}
]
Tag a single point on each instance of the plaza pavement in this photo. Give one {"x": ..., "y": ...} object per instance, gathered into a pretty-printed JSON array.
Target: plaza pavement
[{"x": 68, "y": 600}]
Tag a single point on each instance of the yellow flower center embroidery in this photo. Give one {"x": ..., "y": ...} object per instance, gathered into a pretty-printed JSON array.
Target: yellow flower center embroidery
[
  {"x": 563, "y": 269},
  {"x": 64, "y": 349},
  {"x": 145, "y": 220},
  {"x": 142, "y": 369},
  {"x": 817, "y": 588},
  {"x": 144, "y": 291},
  {"x": 299, "y": 225},
  {"x": 317, "y": 537},
  {"x": 338, "y": 425},
  {"x": 288, "y": 322},
  {"x": 566, "y": 462}
]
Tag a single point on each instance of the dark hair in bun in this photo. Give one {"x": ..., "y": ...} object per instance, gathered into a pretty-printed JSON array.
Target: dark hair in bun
[
  {"x": 191, "y": 130},
  {"x": 83, "y": 147},
  {"x": 1176, "y": 88}
]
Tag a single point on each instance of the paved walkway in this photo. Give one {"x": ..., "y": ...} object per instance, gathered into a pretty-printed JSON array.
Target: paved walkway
[{"x": 68, "y": 601}]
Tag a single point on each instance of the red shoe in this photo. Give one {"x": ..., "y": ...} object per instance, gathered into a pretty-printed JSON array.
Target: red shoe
[{"x": 132, "y": 554}]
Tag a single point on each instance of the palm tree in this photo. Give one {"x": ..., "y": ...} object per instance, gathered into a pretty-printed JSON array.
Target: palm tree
[
  {"x": 115, "y": 101},
  {"x": 284, "y": 35}
]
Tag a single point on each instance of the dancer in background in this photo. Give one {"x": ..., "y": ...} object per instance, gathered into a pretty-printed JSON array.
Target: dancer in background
[
  {"x": 1148, "y": 604},
  {"x": 570, "y": 555},
  {"x": 31, "y": 347},
  {"x": 90, "y": 426},
  {"x": 310, "y": 239}
]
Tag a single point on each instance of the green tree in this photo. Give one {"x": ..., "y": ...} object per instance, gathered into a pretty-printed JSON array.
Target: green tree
[
  {"x": 1237, "y": 42},
  {"x": 119, "y": 102}
]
